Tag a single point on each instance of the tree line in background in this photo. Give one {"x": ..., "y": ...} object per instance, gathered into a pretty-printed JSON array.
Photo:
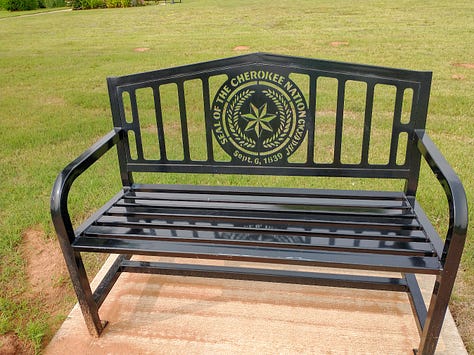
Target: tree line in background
[{"x": 24, "y": 5}]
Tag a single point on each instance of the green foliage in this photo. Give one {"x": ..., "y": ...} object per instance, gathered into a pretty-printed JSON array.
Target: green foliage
[
  {"x": 53, "y": 3},
  {"x": 118, "y": 3},
  {"x": 20, "y": 5},
  {"x": 6, "y": 315},
  {"x": 35, "y": 331},
  {"x": 95, "y": 4},
  {"x": 87, "y": 4},
  {"x": 26, "y": 5}
]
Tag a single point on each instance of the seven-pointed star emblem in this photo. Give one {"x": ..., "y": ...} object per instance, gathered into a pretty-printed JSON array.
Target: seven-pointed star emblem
[{"x": 258, "y": 119}]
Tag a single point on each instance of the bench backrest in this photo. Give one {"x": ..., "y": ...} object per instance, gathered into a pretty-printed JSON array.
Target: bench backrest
[{"x": 271, "y": 114}]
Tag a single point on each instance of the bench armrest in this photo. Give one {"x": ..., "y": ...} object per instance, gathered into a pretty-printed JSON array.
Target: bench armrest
[
  {"x": 66, "y": 177},
  {"x": 458, "y": 208}
]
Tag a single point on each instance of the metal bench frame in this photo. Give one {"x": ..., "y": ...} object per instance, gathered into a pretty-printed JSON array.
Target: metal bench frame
[{"x": 271, "y": 117}]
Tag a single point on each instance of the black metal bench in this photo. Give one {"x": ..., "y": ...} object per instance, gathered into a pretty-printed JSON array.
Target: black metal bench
[{"x": 268, "y": 115}]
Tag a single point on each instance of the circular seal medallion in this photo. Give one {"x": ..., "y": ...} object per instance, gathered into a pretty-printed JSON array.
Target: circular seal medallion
[{"x": 259, "y": 117}]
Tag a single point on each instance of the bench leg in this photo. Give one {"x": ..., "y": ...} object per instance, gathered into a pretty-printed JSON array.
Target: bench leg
[
  {"x": 81, "y": 284},
  {"x": 436, "y": 312}
]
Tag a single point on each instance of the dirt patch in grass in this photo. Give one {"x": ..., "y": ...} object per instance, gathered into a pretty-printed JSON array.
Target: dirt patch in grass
[
  {"x": 458, "y": 77},
  {"x": 55, "y": 101},
  {"x": 241, "y": 48},
  {"x": 11, "y": 345},
  {"x": 45, "y": 266},
  {"x": 49, "y": 286},
  {"x": 339, "y": 43},
  {"x": 464, "y": 65},
  {"x": 141, "y": 49}
]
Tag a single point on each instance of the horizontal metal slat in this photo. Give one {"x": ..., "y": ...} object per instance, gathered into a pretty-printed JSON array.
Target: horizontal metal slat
[
  {"x": 269, "y": 191},
  {"x": 255, "y": 238},
  {"x": 252, "y": 208},
  {"x": 268, "y": 275},
  {"x": 323, "y": 170},
  {"x": 271, "y": 217},
  {"x": 316, "y": 203},
  {"x": 263, "y": 229},
  {"x": 397, "y": 263},
  {"x": 272, "y": 191}
]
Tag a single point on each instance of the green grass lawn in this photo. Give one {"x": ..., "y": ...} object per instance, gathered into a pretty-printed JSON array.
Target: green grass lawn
[{"x": 54, "y": 103}]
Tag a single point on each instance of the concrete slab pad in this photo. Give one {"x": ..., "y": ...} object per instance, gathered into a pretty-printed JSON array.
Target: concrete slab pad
[{"x": 155, "y": 314}]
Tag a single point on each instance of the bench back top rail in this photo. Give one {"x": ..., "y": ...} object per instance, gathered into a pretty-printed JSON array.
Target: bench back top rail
[{"x": 272, "y": 115}]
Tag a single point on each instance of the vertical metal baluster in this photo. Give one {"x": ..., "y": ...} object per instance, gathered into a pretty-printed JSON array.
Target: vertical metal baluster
[
  {"x": 312, "y": 122},
  {"x": 159, "y": 123},
  {"x": 136, "y": 124},
  {"x": 396, "y": 125},
  {"x": 207, "y": 118},
  {"x": 369, "y": 105},
  {"x": 339, "y": 121},
  {"x": 184, "y": 121}
]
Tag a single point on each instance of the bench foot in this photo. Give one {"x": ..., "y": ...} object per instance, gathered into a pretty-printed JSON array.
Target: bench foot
[
  {"x": 436, "y": 312},
  {"x": 434, "y": 321},
  {"x": 89, "y": 306},
  {"x": 93, "y": 329}
]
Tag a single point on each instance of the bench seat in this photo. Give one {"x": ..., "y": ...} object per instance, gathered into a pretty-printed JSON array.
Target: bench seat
[{"x": 287, "y": 226}]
